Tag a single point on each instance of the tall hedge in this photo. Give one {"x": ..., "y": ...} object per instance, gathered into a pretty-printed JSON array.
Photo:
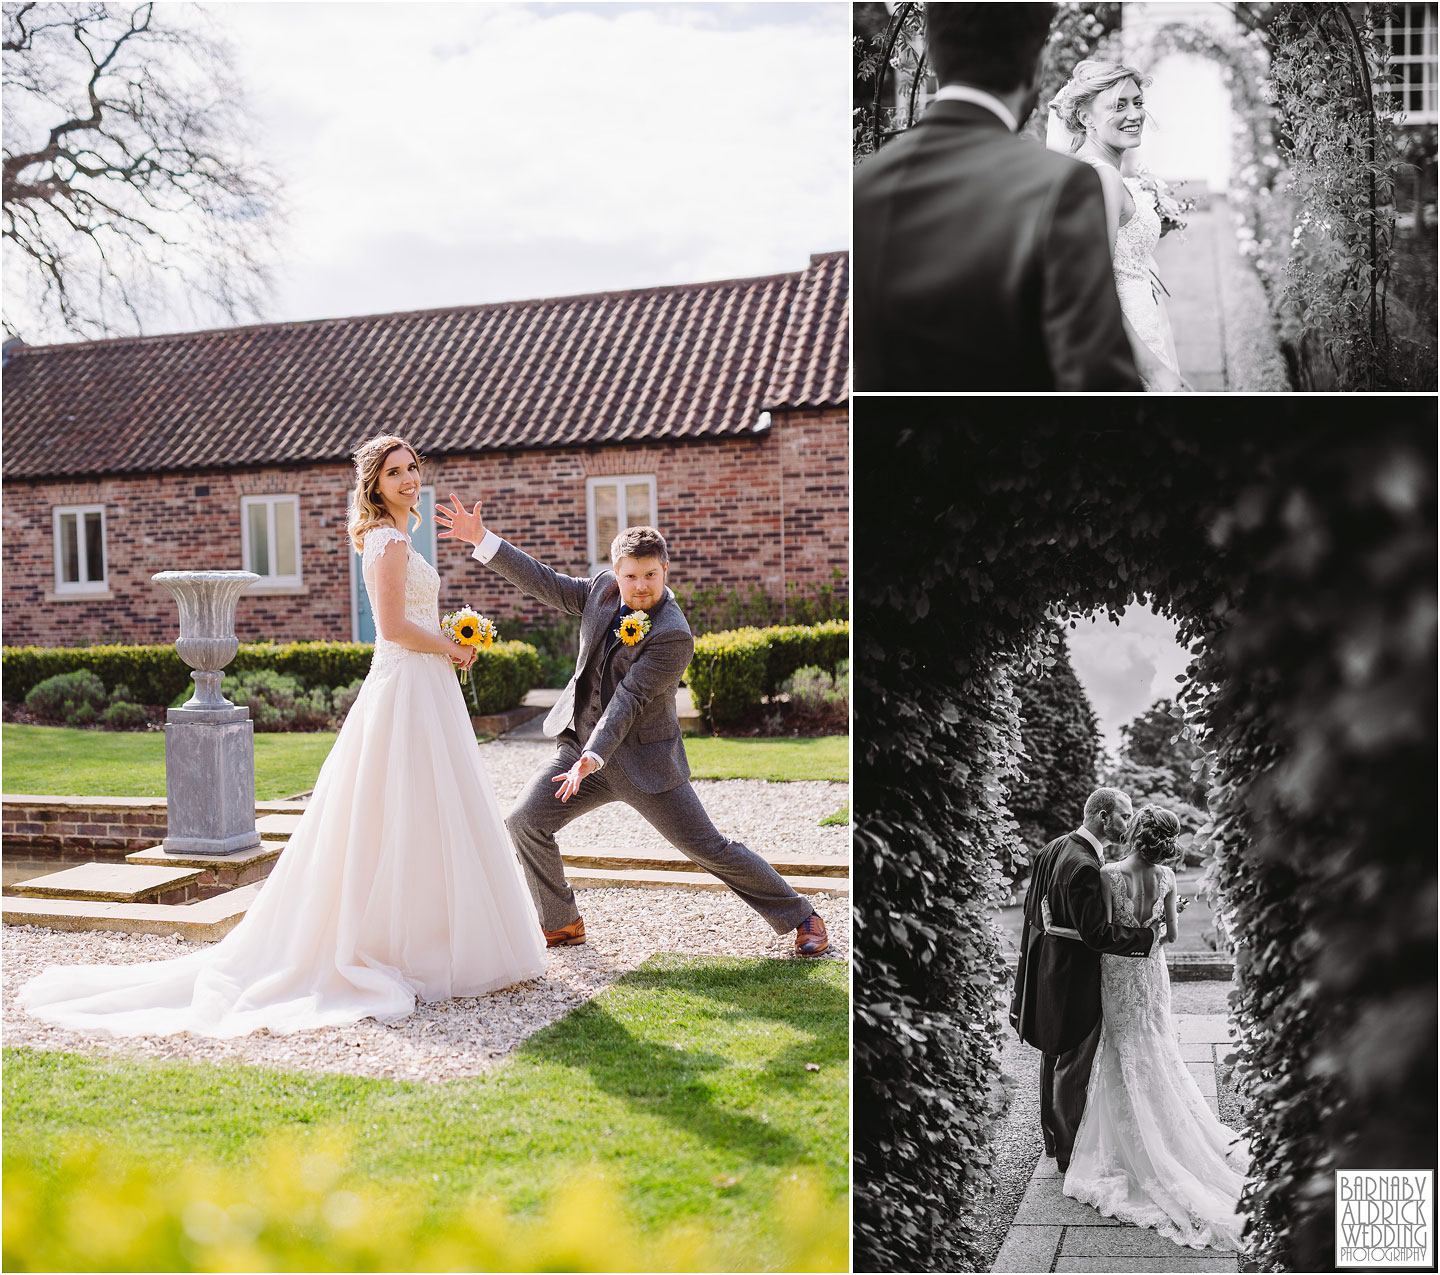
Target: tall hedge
[
  {"x": 1300, "y": 555},
  {"x": 1062, "y": 750}
]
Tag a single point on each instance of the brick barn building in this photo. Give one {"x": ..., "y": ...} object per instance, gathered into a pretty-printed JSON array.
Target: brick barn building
[{"x": 717, "y": 411}]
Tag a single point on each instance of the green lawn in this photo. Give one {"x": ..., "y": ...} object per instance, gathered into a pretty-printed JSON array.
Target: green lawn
[
  {"x": 57, "y": 760},
  {"x": 825, "y": 757},
  {"x": 685, "y": 1085},
  {"x": 95, "y": 763}
]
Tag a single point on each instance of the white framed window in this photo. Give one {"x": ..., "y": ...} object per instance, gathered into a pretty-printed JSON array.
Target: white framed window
[
  {"x": 1410, "y": 32},
  {"x": 80, "y": 549},
  {"x": 270, "y": 538},
  {"x": 613, "y": 503}
]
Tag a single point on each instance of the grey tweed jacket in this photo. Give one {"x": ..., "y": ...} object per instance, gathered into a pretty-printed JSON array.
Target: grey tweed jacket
[{"x": 628, "y": 716}]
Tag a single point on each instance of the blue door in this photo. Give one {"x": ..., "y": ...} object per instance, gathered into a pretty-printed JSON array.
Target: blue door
[{"x": 423, "y": 538}]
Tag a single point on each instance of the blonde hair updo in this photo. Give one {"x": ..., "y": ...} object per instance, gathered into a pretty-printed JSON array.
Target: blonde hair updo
[
  {"x": 1089, "y": 79},
  {"x": 1152, "y": 833},
  {"x": 367, "y": 509}
]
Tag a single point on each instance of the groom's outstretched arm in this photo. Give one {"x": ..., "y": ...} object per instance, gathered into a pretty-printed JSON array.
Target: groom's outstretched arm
[
  {"x": 565, "y": 593},
  {"x": 1084, "y": 333},
  {"x": 1085, "y": 905}
]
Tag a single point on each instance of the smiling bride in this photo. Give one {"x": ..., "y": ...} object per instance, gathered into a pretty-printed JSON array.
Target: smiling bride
[{"x": 1099, "y": 116}]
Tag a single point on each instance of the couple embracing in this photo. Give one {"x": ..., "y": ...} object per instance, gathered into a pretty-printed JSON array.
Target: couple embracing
[
  {"x": 1119, "y": 1111},
  {"x": 400, "y": 882}
]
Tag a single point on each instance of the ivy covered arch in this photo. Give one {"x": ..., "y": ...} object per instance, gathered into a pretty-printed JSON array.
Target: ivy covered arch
[{"x": 1300, "y": 561}]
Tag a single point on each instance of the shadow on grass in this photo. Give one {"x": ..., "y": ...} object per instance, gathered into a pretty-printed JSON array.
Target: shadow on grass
[{"x": 674, "y": 1084}]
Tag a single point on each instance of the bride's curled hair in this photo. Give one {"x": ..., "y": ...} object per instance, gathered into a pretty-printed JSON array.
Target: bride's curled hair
[
  {"x": 1152, "y": 833},
  {"x": 367, "y": 509},
  {"x": 1089, "y": 80}
]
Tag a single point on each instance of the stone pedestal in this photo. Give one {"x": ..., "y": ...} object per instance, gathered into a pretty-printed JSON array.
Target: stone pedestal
[
  {"x": 210, "y": 781},
  {"x": 209, "y": 742}
]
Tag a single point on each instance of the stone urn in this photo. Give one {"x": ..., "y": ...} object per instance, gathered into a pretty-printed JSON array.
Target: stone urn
[
  {"x": 209, "y": 742},
  {"x": 207, "y": 641}
]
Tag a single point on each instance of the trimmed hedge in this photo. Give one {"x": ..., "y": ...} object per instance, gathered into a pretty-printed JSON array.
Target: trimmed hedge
[
  {"x": 732, "y": 671},
  {"x": 156, "y": 674}
]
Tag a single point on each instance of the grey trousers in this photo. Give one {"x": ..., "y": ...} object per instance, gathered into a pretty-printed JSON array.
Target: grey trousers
[
  {"x": 677, "y": 815},
  {"x": 1064, "y": 1079}
]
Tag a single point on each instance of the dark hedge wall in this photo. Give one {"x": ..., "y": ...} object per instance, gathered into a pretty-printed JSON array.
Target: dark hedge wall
[{"x": 1302, "y": 556}]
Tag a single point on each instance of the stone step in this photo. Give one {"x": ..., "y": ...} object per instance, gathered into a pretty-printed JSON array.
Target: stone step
[
  {"x": 600, "y": 878},
  {"x": 216, "y": 871},
  {"x": 111, "y": 883},
  {"x": 206, "y": 921}
]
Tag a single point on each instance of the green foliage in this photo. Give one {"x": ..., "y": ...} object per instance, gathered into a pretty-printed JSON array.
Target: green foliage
[
  {"x": 731, "y": 672},
  {"x": 556, "y": 639},
  {"x": 501, "y": 677},
  {"x": 1342, "y": 155},
  {"x": 1159, "y": 739},
  {"x": 821, "y": 694},
  {"x": 710, "y": 610},
  {"x": 123, "y": 715},
  {"x": 299, "y": 1207},
  {"x": 1301, "y": 559},
  {"x": 155, "y": 673},
  {"x": 1062, "y": 752},
  {"x": 276, "y": 701},
  {"x": 73, "y": 698}
]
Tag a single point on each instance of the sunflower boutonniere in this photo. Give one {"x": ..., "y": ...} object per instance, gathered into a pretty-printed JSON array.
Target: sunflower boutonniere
[{"x": 633, "y": 627}]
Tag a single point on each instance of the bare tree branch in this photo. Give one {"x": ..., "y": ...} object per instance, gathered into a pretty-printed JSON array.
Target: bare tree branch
[{"x": 127, "y": 175}]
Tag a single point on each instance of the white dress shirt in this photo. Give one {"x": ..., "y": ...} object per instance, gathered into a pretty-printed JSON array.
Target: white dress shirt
[
  {"x": 964, "y": 93},
  {"x": 1089, "y": 836}
]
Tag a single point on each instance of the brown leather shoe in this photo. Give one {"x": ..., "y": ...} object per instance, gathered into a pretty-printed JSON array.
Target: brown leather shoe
[
  {"x": 810, "y": 936},
  {"x": 567, "y": 935}
]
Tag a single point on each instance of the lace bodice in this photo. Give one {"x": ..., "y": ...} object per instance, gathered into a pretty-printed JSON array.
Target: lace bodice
[
  {"x": 422, "y": 594},
  {"x": 1136, "y": 240}
]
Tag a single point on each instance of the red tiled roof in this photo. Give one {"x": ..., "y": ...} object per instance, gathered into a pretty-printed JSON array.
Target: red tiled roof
[{"x": 693, "y": 361}]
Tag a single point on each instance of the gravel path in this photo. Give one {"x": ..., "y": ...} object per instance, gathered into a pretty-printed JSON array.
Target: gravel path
[
  {"x": 464, "y": 1037},
  {"x": 764, "y": 815}
]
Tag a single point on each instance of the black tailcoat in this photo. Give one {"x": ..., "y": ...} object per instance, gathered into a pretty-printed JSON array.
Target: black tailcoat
[{"x": 1057, "y": 985}]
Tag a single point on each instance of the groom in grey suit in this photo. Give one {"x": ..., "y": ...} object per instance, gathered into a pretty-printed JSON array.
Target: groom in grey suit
[{"x": 617, "y": 735}]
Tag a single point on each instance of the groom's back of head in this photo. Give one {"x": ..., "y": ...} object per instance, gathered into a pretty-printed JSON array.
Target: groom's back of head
[{"x": 995, "y": 47}]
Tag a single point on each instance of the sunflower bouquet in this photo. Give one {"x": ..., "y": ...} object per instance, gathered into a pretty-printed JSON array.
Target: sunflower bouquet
[
  {"x": 469, "y": 628},
  {"x": 633, "y": 627}
]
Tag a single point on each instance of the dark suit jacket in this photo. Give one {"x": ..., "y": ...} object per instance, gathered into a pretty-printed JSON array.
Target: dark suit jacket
[
  {"x": 981, "y": 263},
  {"x": 620, "y": 701},
  {"x": 1057, "y": 985}
]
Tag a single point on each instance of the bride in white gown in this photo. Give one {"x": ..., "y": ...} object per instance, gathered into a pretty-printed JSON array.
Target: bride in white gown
[
  {"x": 400, "y": 882},
  {"x": 1099, "y": 117},
  {"x": 1149, "y": 1151}
]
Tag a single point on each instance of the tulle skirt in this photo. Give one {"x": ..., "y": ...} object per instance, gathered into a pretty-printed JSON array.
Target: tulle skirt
[
  {"x": 1149, "y": 1150},
  {"x": 400, "y": 883}
]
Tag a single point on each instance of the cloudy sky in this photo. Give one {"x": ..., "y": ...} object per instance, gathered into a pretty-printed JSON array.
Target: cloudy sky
[
  {"x": 449, "y": 154},
  {"x": 1126, "y": 667}
]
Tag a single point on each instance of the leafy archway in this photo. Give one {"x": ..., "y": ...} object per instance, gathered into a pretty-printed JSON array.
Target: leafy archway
[{"x": 1300, "y": 562}]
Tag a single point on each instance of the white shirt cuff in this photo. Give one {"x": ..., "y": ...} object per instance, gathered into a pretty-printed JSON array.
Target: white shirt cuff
[
  {"x": 485, "y": 550},
  {"x": 599, "y": 760}
]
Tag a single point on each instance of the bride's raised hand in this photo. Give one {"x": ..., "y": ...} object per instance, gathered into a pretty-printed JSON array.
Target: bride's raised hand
[{"x": 460, "y": 523}]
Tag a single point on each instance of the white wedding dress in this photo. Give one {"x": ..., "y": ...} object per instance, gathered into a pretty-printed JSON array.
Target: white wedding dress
[
  {"x": 399, "y": 883},
  {"x": 1141, "y": 300},
  {"x": 1149, "y": 1151}
]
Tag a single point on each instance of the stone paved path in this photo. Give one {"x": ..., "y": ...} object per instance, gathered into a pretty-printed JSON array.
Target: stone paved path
[
  {"x": 1224, "y": 335},
  {"x": 1052, "y": 1232}
]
